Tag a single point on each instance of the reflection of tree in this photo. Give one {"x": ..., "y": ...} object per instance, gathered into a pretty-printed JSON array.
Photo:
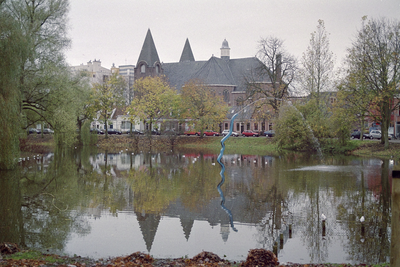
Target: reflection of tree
[
  {"x": 317, "y": 196},
  {"x": 268, "y": 194},
  {"x": 46, "y": 195},
  {"x": 46, "y": 204},
  {"x": 152, "y": 190},
  {"x": 198, "y": 184},
  {"x": 11, "y": 220},
  {"x": 103, "y": 190},
  {"x": 371, "y": 245}
]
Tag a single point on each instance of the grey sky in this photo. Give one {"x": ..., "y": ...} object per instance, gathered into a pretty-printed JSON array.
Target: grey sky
[{"x": 114, "y": 30}]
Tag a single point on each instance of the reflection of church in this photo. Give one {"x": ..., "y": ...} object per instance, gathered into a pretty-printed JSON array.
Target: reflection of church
[
  {"x": 224, "y": 76},
  {"x": 241, "y": 205}
]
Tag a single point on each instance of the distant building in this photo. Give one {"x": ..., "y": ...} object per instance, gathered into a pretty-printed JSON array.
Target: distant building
[
  {"x": 128, "y": 72},
  {"x": 94, "y": 71}
]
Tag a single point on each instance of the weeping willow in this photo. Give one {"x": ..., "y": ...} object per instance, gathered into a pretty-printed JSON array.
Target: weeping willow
[{"x": 12, "y": 45}]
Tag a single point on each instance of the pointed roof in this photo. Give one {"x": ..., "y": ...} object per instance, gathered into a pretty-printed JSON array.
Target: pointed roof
[
  {"x": 187, "y": 54},
  {"x": 187, "y": 225},
  {"x": 215, "y": 71},
  {"x": 149, "y": 52},
  {"x": 148, "y": 224}
]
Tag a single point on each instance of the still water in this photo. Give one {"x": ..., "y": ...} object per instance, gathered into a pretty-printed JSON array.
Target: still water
[{"x": 102, "y": 204}]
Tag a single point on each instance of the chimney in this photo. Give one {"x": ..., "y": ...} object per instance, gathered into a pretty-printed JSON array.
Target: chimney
[{"x": 278, "y": 68}]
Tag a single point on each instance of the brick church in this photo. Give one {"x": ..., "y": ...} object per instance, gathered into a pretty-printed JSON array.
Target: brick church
[{"x": 223, "y": 75}]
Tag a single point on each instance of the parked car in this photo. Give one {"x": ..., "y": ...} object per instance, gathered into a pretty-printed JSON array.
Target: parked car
[
  {"x": 134, "y": 131},
  {"x": 33, "y": 131},
  {"x": 225, "y": 132},
  {"x": 113, "y": 131},
  {"x": 250, "y": 133},
  {"x": 155, "y": 132},
  {"x": 192, "y": 132},
  {"x": 98, "y": 131},
  {"x": 367, "y": 136},
  {"x": 270, "y": 133},
  {"x": 48, "y": 131},
  {"x": 210, "y": 133},
  {"x": 357, "y": 134},
  {"x": 375, "y": 134}
]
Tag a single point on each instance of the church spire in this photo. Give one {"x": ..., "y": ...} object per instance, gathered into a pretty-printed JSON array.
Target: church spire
[
  {"x": 148, "y": 63},
  {"x": 187, "y": 54},
  {"x": 148, "y": 53}
]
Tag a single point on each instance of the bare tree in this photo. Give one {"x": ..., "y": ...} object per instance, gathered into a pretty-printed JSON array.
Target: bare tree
[
  {"x": 271, "y": 80},
  {"x": 317, "y": 64}
]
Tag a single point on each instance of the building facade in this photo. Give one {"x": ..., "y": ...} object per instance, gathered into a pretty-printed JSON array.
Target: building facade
[{"x": 94, "y": 71}]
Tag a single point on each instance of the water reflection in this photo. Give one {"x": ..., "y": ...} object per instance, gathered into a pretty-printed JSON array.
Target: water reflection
[{"x": 103, "y": 204}]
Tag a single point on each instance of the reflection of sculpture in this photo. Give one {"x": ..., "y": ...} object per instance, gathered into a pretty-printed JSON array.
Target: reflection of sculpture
[{"x": 223, "y": 176}]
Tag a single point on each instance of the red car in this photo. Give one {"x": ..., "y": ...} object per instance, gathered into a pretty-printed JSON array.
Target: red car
[
  {"x": 192, "y": 132},
  {"x": 210, "y": 133},
  {"x": 249, "y": 133}
]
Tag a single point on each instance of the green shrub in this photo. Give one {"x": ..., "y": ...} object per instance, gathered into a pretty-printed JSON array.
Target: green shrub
[{"x": 291, "y": 130}]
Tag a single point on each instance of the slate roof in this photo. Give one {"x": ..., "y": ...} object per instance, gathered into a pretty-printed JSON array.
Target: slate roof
[
  {"x": 215, "y": 71},
  {"x": 149, "y": 52}
]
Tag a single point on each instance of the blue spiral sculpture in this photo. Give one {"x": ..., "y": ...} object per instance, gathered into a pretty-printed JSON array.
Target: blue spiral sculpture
[{"x": 222, "y": 173}]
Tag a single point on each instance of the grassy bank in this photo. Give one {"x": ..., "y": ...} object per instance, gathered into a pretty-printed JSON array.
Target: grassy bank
[
  {"x": 234, "y": 145},
  {"x": 238, "y": 145}
]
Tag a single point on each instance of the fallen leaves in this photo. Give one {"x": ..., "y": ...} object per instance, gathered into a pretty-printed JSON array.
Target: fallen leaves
[{"x": 261, "y": 257}]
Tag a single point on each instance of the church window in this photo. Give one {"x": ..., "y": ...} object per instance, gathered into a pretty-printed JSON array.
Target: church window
[
  {"x": 143, "y": 68},
  {"x": 226, "y": 95}
]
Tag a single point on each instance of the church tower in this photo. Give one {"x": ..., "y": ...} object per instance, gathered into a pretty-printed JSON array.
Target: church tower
[
  {"x": 187, "y": 54},
  {"x": 225, "y": 50},
  {"x": 148, "y": 63}
]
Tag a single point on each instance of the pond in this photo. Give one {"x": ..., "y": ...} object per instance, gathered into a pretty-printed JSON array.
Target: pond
[{"x": 102, "y": 204}]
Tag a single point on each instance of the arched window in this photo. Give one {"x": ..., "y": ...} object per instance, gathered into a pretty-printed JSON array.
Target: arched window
[
  {"x": 143, "y": 68},
  {"x": 157, "y": 69},
  {"x": 226, "y": 96}
]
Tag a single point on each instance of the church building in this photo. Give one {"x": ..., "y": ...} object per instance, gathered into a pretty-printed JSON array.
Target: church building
[{"x": 223, "y": 75}]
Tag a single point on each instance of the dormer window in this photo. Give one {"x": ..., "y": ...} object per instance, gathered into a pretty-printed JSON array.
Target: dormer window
[{"x": 143, "y": 68}]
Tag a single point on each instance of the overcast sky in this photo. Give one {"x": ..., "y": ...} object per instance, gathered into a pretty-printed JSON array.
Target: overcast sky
[{"x": 114, "y": 30}]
